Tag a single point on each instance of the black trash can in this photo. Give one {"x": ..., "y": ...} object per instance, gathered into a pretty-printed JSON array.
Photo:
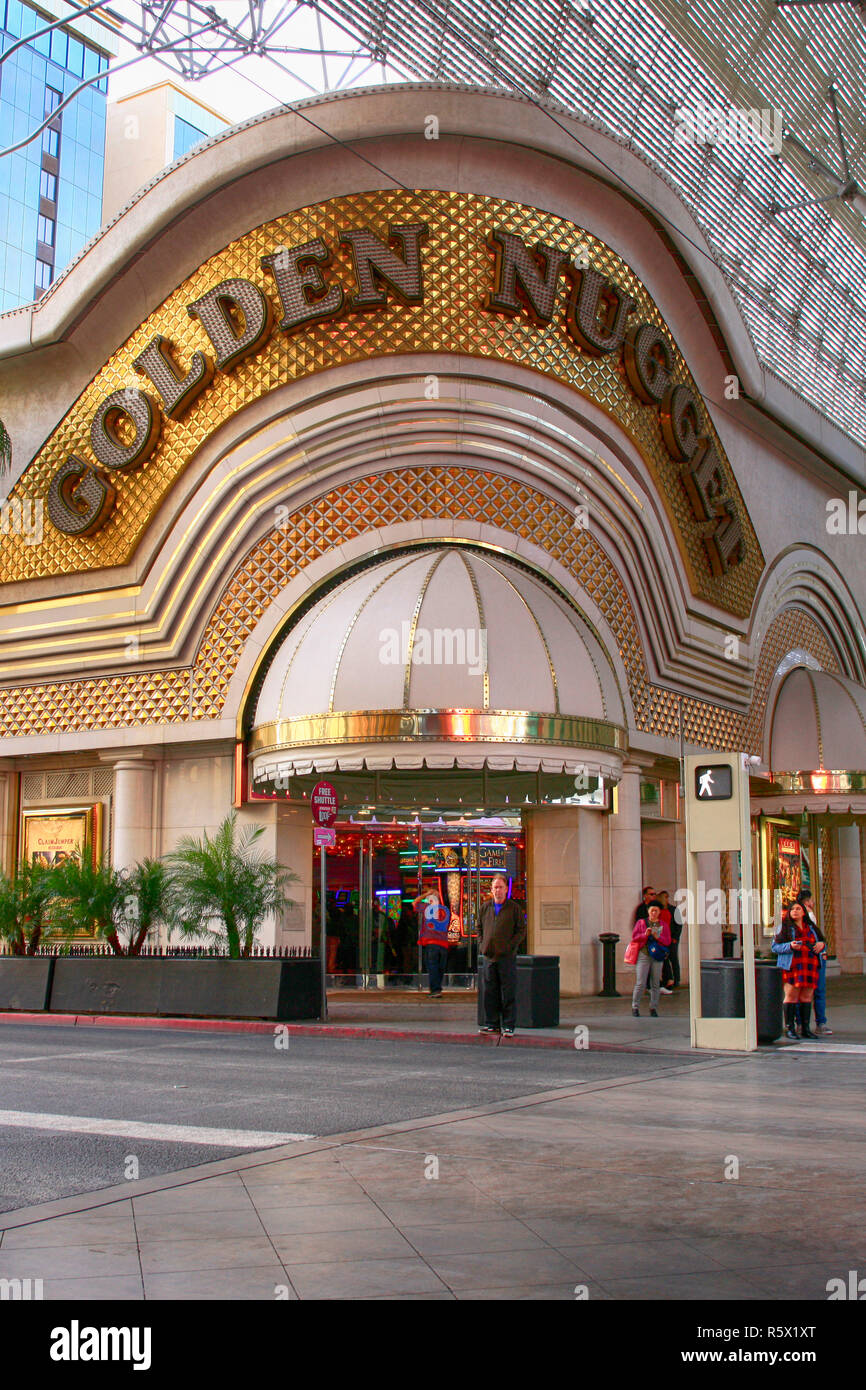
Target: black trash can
[
  {"x": 537, "y": 992},
  {"x": 722, "y": 994}
]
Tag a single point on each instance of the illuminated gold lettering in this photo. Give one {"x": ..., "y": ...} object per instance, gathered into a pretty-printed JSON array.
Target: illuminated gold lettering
[
  {"x": 237, "y": 318},
  {"x": 725, "y": 545},
  {"x": 125, "y": 428},
  {"x": 704, "y": 480},
  {"x": 648, "y": 362},
  {"x": 177, "y": 391},
  {"x": 376, "y": 264},
  {"x": 597, "y": 312},
  {"x": 304, "y": 294},
  {"x": 524, "y": 280},
  {"x": 679, "y": 421},
  {"x": 80, "y": 498}
]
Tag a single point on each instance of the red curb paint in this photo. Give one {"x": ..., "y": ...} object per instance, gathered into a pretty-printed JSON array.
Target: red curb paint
[{"x": 324, "y": 1030}]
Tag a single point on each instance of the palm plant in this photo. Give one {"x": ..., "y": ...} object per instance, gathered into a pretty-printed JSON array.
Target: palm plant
[
  {"x": 120, "y": 905},
  {"x": 24, "y": 903},
  {"x": 145, "y": 904},
  {"x": 88, "y": 898},
  {"x": 222, "y": 888}
]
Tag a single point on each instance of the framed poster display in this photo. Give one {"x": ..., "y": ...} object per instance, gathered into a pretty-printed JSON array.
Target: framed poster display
[{"x": 53, "y": 835}]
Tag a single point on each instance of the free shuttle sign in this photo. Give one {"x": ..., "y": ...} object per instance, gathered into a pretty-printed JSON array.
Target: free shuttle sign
[{"x": 323, "y": 803}]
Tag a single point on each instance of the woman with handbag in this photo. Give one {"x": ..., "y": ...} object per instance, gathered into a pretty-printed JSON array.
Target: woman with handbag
[
  {"x": 798, "y": 948},
  {"x": 650, "y": 942}
]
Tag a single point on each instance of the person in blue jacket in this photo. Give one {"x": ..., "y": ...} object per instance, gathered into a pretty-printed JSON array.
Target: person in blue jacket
[
  {"x": 821, "y": 1026},
  {"x": 434, "y": 920}
]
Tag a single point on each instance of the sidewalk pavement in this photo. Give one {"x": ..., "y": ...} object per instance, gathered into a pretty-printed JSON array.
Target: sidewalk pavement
[
  {"x": 613, "y": 1189},
  {"x": 609, "y": 1021},
  {"x": 620, "y": 1188},
  {"x": 413, "y": 1014}
]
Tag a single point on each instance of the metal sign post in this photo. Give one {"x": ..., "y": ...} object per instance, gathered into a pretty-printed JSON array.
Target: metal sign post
[
  {"x": 718, "y": 819},
  {"x": 324, "y": 806}
]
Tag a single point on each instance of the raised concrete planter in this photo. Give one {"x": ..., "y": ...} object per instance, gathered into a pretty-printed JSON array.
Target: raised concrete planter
[
  {"x": 106, "y": 985},
  {"x": 278, "y": 989},
  {"x": 203, "y": 988},
  {"x": 25, "y": 982}
]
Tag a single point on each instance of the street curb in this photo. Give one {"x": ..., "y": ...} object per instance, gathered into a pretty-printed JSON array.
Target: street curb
[
  {"x": 262, "y": 1158},
  {"x": 327, "y": 1030}
]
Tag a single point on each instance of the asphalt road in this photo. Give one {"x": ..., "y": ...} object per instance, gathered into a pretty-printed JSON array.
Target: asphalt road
[{"x": 217, "y": 1095}]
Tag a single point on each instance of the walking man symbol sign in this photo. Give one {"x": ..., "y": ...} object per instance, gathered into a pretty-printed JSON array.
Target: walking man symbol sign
[{"x": 713, "y": 782}]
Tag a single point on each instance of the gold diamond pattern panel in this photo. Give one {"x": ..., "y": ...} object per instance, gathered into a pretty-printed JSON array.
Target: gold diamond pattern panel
[
  {"x": 457, "y": 274},
  {"x": 447, "y": 494},
  {"x": 112, "y": 702},
  {"x": 175, "y": 696}
]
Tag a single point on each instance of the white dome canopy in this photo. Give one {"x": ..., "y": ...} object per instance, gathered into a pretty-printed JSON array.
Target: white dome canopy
[
  {"x": 818, "y": 721},
  {"x": 444, "y": 645}
]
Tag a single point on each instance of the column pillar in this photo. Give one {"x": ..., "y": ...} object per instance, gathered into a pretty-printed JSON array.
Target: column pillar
[
  {"x": 8, "y": 820},
  {"x": 626, "y": 881},
  {"x": 850, "y": 945},
  {"x": 132, "y": 835},
  {"x": 295, "y": 850},
  {"x": 565, "y": 892}
]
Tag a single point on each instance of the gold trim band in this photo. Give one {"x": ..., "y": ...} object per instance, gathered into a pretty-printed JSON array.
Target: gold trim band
[
  {"x": 816, "y": 782},
  {"x": 440, "y": 725}
]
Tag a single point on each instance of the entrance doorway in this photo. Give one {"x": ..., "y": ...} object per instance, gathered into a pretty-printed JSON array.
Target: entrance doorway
[{"x": 375, "y": 873}]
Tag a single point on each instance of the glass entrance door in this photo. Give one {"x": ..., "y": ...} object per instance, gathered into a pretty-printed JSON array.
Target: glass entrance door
[{"x": 374, "y": 874}]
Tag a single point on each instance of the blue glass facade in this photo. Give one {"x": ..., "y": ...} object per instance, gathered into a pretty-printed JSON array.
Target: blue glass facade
[
  {"x": 185, "y": 137},
  {"x": 192, "y": 124},
  {"x": 33, "y": 82}
]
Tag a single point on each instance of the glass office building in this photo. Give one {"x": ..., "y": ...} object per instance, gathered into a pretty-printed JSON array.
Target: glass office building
[
  {"x": 51, "y": 188},
  {"x": 193, "y": 123}
]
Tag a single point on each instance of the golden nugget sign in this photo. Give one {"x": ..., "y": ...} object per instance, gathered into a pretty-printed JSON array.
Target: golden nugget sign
[{"x": 237, "y": 318}]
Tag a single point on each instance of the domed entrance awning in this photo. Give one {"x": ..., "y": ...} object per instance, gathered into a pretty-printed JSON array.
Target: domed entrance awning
[
  {"x": 817, "y": 746},
  {"x": 440, "y": 660}
]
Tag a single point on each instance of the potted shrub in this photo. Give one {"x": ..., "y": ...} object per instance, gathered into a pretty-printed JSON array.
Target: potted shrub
[
  {"x": 25, "y": 979},
  {"x": 223, "y": 889},
  {"x": 119, "y": 906}
]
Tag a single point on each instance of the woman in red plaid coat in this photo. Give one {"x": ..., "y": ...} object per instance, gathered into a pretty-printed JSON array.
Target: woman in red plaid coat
[{"x": 796, "y": 939}]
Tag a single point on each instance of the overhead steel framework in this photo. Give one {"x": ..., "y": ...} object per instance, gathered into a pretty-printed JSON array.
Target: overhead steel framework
[{"x": 777, "y": 196}]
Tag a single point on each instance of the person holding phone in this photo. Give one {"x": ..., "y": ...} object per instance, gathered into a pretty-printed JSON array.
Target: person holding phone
[
  {"x": 798, "y": 948},
  {"x": 822, "y": 1028},
  {"x": 653, "y": 939}
]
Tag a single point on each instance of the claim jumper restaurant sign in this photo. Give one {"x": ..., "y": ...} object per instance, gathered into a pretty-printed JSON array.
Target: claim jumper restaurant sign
[{"x": 237, "y": 318}]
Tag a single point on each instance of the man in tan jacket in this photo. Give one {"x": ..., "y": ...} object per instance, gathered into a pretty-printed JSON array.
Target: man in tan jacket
[{"x": 501, "y": 929}]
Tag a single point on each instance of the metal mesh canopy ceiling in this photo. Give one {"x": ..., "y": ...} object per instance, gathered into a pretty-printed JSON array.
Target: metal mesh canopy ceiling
[
  {"x": 783, "y": 213},
  {"x": 641, "y": 72}
]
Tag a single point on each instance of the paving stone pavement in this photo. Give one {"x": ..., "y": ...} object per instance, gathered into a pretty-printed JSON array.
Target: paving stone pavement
[{"x": 608, "y": 1190}]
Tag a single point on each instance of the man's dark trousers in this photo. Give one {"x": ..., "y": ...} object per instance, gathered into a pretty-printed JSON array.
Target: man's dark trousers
[
  {"x": 500, "y": 991},
  {"x": 434, "y": 959},
  {"x": 671, "y": 966}
]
